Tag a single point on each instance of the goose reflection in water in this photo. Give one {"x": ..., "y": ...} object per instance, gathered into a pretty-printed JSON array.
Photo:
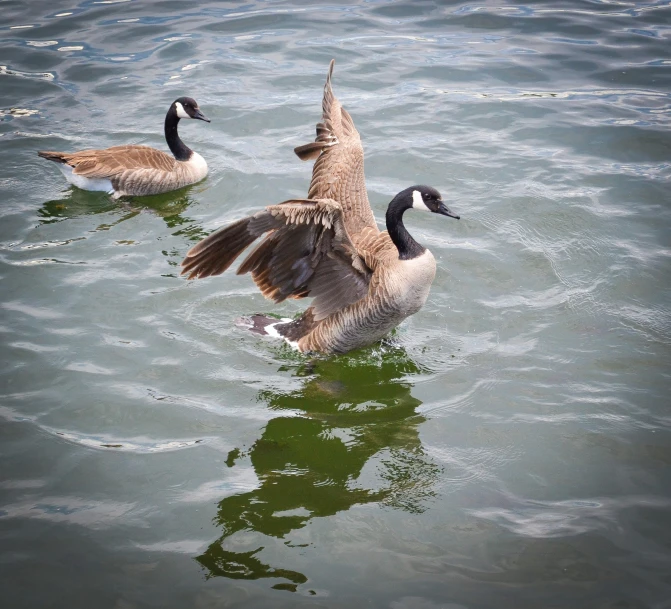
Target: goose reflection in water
[
  {"x": 169, "y": 206},
  {"x": 355, "y": 411}
]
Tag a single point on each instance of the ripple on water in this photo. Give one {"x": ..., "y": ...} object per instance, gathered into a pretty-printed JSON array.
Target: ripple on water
[
  {"x": 133, "y": 445},
  {"x": 470, "y": 466},
  {"x": 515, "y": 431},
  {"x": 88, "y": 513},
  {"x": 547, "y": 519}
]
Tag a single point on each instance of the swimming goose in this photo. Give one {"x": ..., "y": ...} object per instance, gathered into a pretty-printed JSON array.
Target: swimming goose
[
  {"x": 363, "y": 282},
  {"x": 137, "y": 170}
]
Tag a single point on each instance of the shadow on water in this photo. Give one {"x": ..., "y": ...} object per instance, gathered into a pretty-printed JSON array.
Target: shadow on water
[{"x": 353, "y": 411}]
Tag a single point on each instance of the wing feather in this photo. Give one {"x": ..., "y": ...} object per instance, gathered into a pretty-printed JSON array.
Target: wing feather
[
  {"x": 307, "y": 252},
  {"x": 338, "y": 172},
  {"x": 111, "y": 162}
]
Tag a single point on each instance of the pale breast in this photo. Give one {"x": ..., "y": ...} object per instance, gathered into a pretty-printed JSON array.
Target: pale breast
[
  {"x": 399, "y": 291},
  {"x": 408, "y": 282},
  {"x": 195, "y": 169}
]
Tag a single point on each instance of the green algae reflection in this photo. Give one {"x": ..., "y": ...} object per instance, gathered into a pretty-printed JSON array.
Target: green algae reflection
[{"x": 352, "y": 409}]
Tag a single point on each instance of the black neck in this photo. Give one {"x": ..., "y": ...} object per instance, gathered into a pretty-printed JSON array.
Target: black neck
[
  {"x": 178, "y": 148},
  {"x": 407, "y": 247}
]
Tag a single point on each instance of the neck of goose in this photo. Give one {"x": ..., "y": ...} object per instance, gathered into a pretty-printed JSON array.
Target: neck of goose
[
  {"x": 407, "y": 247},
  {"x": 178, "y": 148}
]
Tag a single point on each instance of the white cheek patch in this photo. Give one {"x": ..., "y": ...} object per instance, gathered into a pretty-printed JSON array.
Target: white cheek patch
[
  {"x": 181, "y": 112},
  {"x": 418, "y": 202}
]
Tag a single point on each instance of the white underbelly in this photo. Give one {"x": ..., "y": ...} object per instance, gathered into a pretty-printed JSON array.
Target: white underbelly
[{"x": 97, "y": 184}]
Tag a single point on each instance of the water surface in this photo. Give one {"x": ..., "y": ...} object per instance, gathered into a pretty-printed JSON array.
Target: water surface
[{"x": 508, "y": 446}]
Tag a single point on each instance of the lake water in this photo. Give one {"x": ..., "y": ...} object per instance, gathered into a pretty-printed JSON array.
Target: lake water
[{"x": 508, "y": 447}]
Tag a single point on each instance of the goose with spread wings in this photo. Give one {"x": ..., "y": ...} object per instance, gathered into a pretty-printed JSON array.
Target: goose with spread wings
[{"x": 363, "y": 282}]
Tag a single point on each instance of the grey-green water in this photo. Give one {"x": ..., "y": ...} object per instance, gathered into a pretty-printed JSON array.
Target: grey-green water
[{"x": 510, "y": 447}]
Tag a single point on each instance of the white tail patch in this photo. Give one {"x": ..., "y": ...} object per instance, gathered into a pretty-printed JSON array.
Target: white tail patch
[
  {"x": 418, "y": 201},
  {"x": 95, "y": 184},
  {"x": 181, "y": 112},
  {"x": 271, "y": 331}
]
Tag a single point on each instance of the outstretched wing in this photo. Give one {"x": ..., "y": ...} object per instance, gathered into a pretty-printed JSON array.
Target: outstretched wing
[
  {"x": 307, "y": 252},
  {"x": 338, "y": 172}
]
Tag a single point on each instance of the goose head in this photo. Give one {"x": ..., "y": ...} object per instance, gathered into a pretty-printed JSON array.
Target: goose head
[
  {"x": 187, "y": 107},
  {"x": 426, "y": 198},
  {"x": 423, "y": 198}
]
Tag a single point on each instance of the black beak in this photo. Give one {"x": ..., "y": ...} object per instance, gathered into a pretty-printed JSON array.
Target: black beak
[
  {"x": 444, "y": 211},
  {"x": 200, "y": 116}
]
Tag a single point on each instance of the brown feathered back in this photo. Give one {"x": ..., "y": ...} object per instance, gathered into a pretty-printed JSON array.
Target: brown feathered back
[{"x": 132, "y": 169}]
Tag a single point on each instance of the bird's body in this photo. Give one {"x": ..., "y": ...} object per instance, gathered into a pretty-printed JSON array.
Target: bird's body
[
  {"x": 404, "y": 285},
  {"x": 135, "y": 170},
  {"x": 363, "y": 282}
]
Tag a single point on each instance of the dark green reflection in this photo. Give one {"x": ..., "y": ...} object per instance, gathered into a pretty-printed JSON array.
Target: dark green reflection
[
  {"x": 170, "y": 206},
  {"x": 353, "y": 408},
  {"x": 77, "y": 203}
]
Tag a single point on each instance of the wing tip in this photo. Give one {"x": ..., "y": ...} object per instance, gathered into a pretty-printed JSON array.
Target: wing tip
[
  {"x": 330, "y": 72},
  {"x": 328, "y": 89}
]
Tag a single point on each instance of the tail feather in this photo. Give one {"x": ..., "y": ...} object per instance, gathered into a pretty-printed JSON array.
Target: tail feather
[
  {"x": 290, "y": 330},
  {"x": 258, "y": 323},
  {"x": 298, "y": 328},
  {"x": 57, "y": 157}
]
